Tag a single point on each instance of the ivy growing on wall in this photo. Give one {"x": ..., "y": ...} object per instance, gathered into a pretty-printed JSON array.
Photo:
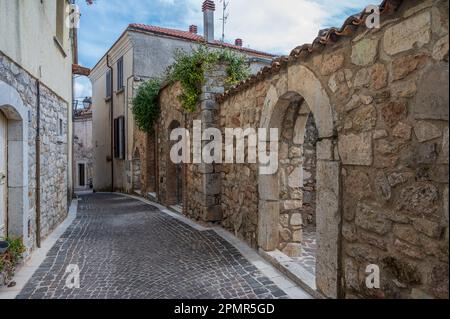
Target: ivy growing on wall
[
  {"x": 145, "y": 104},
  {"x": 189, "y": 69}
]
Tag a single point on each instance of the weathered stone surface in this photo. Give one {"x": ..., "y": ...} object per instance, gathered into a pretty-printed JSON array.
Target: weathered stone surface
[
  {"x": 443, "y": 157},
  {"x": 378, "y": 134},
  {"x": 365, "y": 118},
  {"x": 426, "y": 131},
  {"x": 362, "y": 78},
  {"x": 372, "y": 219},
  {"x": 373, "y": 240},
  {"x": 296, "y": 219},
  {"x": 295, "y": 179},
  {"x": 407, "y": 233},
  {"x": 362, "y": 252},
  {"x": 351, "y": 274},
  {"x": 332, "y": 62},
  {"x": 357, "y": 184},
  {"x": 382, "y": 187},
  {"x": 403, "y": 66},
  {"x": 349, "y": 232},
  {"x": 293, "y": 249},
  {"x": 356, "y": 149},
  {"x": 378, "y": 76},
  {"x": 415, "y": 31},
  {"x": 285, "y": 234},
  {"x": 393, "y": 112},
  {"x": 396, "y": 179},
  {"x": 429, "y": 228},
  {"x": 325, "y": 150},
  {"x": 408, "y": 250},
  {"x": 440, "y": 49},
  {"x": 419, "y": 199},
  {"x": 425, "y": 153},
  {"x": 404, "y": 88},
  {"x": 365, "y": 51},
  {"x": 402, "y": 131},
  {"x": 431, "y": 101}
]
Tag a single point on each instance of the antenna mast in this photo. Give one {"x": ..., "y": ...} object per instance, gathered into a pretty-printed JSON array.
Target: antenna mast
[{"x": 224, "y": 17}]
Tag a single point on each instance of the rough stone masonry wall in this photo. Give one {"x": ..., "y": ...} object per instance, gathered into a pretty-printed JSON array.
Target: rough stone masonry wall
[
  {"x": 389, "y": 89},
  {"x": 54, "y": 150}
]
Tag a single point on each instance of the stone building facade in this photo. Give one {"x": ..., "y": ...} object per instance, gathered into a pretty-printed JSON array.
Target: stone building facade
[
  {"x": 36, "y": 118},
  {"x": 363, "y": 119}
]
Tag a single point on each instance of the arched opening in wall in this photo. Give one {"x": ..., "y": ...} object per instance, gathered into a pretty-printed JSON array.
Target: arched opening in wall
[
  {"x": 174, "y": 174},
  {"x": 14, "y": 200},
  {"x": 297, "y": 182},
  {"x": 137, "y": 171},
  {"x": 151, "y": 163},
  {"x": 293, "y": 204}
]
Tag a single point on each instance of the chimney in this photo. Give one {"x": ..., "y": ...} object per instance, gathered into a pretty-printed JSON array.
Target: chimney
[
  {"x": 238, "y": 42},
  {"x": 208, "y": 9},
  {"x": 193, "y": 29}
]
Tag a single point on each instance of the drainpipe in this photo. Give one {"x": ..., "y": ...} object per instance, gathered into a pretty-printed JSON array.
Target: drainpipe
[
  {"x": 112, "y": 121},
  {"x": 38, "y": 165}
]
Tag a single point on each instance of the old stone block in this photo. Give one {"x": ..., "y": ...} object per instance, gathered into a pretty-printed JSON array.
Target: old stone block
[
  {"x": 372, "y": 219},
  {"x": 431, "y": 101},
  {"x": 425, "y": 153},
  {"x": 292, "y": 204},
  {"x": 325, "y": 150},
  {"x": 407, "y": 233},
  {"x": 365, "y": 51},
  {"x": 349, "y": 232},
  {"x": 365, "y": 118},
  {"x": 362, "y": 78},
  {"x": 419, "y": 199},
  {"x": 415, "y": 31},
  {"x": 403, "y": 66},
  {"x": 443, "y": 156},
  {"x": 402, "y": 131},
  {"x": 427, "y": 227},
  {"x": 212, "y": 214},
  {"x": 332, "y": 62},
  {"x": 268, "y": 223},
  {"x": 356, "y": 149},
  {"x": 440, "y": 49},
  {"x": 295, "y": 179},
  {"x": 378, "y": 76},
  {"x": 285, "y": 234},
  {"x": 211, "y": 184},
  {"x": 293, "y": 249},
  {"x": 408, "y": 250},
  {"x": 393, "y": 112},
  {"x": 296, "y": 220},
  {"x": 425, "y": 131},
  {"x": 382, "y": 187},
  {"x": 358, "y": 185}
]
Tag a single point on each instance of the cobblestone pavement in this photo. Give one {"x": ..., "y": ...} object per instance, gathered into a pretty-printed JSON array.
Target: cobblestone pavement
[
  {"x": 307, "y": 259},
  {"x": 125, "y": 248}
]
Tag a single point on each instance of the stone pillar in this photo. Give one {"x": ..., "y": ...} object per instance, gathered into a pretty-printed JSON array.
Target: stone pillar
[{"x": 209, "y": 115}]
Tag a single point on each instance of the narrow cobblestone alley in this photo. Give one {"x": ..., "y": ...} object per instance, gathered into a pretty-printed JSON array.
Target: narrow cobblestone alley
[{"x": 125, "y": 248}]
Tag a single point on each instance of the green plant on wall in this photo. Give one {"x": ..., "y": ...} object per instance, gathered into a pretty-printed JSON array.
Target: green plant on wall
[
  {"x": 13, "y": 255},
  {"x": 145, "y": 104},
  {"x": 189, "y": 69}
]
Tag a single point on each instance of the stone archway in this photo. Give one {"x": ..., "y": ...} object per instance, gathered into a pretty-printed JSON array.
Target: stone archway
[
  {"x": 301, "y": 84},
  {"x": 16, "y": 115}
]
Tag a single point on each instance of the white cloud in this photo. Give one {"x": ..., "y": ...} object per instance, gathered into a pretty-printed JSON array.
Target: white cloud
[
  {"x": 276, "y": 25},
  {"x": 82, "y": 87}
]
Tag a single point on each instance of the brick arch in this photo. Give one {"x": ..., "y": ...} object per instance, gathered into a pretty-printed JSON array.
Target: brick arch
[
  {"x": 17, "y": 115},
  {"x": 298, "y": 84}
]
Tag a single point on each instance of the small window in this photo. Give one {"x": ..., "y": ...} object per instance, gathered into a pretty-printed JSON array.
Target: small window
[
  {"x": 61, "y": 127},
  {"x": 119, "y": 137},
  {"x": 108, "y": 84},
  {"x": 81, "y": 174},
  {"x": 120, "y": 74},
  {"x": 60, "y": 18}
]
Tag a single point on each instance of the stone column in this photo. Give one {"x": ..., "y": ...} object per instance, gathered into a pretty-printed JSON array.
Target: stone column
[{"x": 209, "y": 115}]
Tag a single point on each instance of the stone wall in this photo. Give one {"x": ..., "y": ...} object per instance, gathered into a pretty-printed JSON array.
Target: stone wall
[
  {"x": 378, "y": 160},
  {"x": 54, "y": 150}
]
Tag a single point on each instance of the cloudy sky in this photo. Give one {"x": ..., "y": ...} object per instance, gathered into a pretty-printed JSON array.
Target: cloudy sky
[{"x": 275, "y": 26}]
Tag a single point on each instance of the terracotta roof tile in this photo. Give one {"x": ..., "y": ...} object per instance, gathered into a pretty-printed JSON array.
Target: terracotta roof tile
[
  {"x": 186, "y": 35},
  {"x": 325, "y": 37}
]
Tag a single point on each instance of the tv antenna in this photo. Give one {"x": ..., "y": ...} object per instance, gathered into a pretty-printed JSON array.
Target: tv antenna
[{"x": 224, "y": 17}]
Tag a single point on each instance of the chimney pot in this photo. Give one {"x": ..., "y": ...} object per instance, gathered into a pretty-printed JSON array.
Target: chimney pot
[
  {"x": 208, "y": 9},
  {"x": 193, "y": 29},
  {"x": 238, "y": 42}
]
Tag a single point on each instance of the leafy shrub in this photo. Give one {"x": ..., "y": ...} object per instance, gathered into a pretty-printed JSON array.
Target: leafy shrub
[{"x": 145, "y": 105}]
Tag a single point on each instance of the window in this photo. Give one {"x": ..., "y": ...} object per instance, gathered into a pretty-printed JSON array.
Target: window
[
  {"x": 61, "y": 127},
  {"x": 120, "y": 74},
  {"x": 108, "y": 84},
  {"x": 60, "y": 17},
  {"x": 119, "y": 137}
]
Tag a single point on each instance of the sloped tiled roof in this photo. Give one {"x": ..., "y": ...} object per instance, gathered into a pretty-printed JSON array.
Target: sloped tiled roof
[
  {"x": 189, "y": 36},
  {"x": 326, "y": 37}
]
